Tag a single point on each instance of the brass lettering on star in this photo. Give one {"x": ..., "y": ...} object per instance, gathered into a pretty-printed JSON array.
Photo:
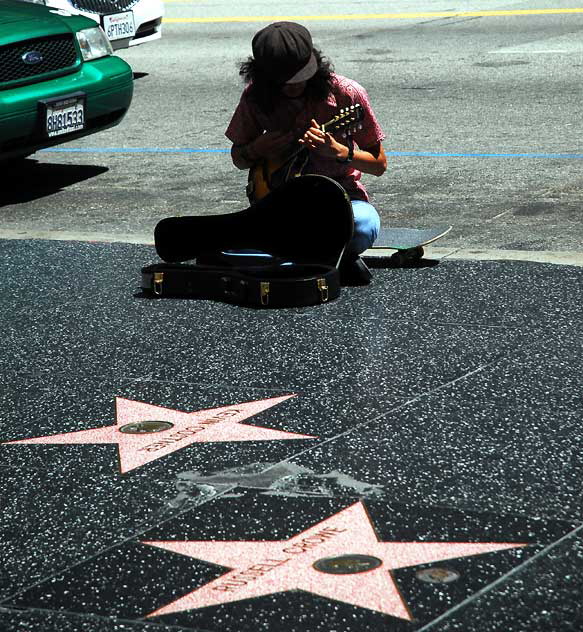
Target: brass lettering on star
[
  {"x": 180, "y": 435},
  {"x": 251, "y": 573},
  {"x": 242, "y": 578},
  {"x": 312, "y": 541}
]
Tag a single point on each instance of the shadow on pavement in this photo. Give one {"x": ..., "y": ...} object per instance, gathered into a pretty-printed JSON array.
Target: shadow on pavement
[
  {"x": 26, "y": 180},
  {"x": 377, "y": 262}
]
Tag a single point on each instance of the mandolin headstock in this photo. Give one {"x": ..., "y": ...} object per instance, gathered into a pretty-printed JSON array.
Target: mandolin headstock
[{"x": 348, "y": 120}]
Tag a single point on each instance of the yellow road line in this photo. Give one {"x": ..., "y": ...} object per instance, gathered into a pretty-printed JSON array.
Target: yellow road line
[{"x": 374, "y": 16}]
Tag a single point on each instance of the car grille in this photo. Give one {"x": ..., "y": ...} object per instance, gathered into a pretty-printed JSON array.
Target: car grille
[
  {"x": 103, "y": 6},
  {"x": 58, "y": 52},
  {"x": 148, "y": 28}
]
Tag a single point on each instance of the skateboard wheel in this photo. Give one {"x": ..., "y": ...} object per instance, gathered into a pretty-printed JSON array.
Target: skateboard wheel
[
  {"x": 397, "y": 258},
  {"x": 403, "y": 258},
  {"x": 415, "y": 253}
]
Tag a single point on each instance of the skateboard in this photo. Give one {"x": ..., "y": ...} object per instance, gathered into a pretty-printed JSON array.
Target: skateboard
[{"x": 407, "y": 242}]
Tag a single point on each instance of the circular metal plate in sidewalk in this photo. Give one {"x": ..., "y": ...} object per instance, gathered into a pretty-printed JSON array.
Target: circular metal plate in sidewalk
[
  {"x": 146, "y": 427},
  {"x": 347, "y": 564},
  {"x": 437, "y": 575}
]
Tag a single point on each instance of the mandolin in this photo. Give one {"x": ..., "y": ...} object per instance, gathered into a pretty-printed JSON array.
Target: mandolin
[{"x": 267, "y": 175}]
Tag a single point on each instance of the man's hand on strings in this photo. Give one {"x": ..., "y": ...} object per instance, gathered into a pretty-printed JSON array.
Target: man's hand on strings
[{"x": 325, "y": 144}]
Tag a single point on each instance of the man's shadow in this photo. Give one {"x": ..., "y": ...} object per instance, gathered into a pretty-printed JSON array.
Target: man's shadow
[{"x": 25, "y": 180}]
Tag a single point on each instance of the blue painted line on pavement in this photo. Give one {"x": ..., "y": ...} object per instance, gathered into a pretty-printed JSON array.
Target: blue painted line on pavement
[
  {"x": 426, "y": 154},
  {"x": 133, "y": 150},
  {"x": 431, "y": 154}
]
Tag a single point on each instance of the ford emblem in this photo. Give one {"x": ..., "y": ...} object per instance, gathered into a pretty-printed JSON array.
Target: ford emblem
[{"x": 32, "y": 57}]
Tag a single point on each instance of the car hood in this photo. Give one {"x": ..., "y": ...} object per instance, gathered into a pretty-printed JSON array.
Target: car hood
[
  {"x": 14, "y": 11},
  {"x": 24, "y": 20}
]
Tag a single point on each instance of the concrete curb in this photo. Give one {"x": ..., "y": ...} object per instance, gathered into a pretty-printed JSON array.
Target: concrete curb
[{"x": 475, "y": 254}]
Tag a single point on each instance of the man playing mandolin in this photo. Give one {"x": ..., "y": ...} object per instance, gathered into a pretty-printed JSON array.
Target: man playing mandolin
[{"x": 291, "y": 91}]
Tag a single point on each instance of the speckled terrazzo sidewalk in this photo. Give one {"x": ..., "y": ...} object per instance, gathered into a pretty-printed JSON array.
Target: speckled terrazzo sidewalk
[{"x": 406, "y": 457}]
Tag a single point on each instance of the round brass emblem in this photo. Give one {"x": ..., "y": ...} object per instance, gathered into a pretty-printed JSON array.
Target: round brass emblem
[
  {"x": 146, "y": 427},
  {"x": 437, "y": 575},
  {"x": 347, "y": 564}
]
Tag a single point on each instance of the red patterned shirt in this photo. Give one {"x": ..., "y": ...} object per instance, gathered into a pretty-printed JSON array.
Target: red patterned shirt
[{"x": 249, "y": 122}]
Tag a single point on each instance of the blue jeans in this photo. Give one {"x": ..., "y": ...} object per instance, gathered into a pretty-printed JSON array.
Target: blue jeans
[{"x": 367, "y": 224}]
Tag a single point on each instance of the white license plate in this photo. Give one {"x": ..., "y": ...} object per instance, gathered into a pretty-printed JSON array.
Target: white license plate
[
  {"x": 65, "y": 116},
  {"x": 119, "y": 25}
]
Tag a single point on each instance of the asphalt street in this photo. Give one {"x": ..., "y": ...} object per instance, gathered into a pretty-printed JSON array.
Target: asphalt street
[
  {"x": 501, "y": 93},
  {"x": 404, "y": 458}
]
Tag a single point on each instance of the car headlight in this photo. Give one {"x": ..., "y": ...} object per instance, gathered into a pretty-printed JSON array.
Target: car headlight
[
  {"x": 93, "y": 43},
  {"x": 36, "y": 1}
]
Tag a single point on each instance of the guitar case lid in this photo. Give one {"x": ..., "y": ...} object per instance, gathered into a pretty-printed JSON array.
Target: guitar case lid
[{"x": 308, "y": 219}]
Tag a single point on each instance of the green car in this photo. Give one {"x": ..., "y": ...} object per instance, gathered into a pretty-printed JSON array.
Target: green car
[{"x": 58, "y": 79}]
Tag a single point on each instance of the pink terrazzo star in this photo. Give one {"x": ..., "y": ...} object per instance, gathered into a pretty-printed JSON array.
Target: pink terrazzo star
[
  {"x": 263, "y": 568},
  {"x": 203, "y": 426}
]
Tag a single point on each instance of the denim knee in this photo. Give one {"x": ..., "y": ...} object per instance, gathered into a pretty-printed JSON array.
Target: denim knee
[{"x": 367, "y": 224}]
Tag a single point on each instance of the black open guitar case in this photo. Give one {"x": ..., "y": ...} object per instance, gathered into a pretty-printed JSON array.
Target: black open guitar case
[{"x": 305, "y": 224}]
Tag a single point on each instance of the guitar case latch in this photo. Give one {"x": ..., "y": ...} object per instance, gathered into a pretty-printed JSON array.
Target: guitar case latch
[
  {"x": 264, "y": 292},
  {"x": 323, "y": 287},
  {"x": 157, "y": 282}
]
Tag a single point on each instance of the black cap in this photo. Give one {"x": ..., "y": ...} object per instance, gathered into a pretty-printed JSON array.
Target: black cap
[{"x": 285, "y": 53}]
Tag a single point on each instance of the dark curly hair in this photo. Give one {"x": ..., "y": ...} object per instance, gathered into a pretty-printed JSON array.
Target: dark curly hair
[{"x": 266, "y": 92}]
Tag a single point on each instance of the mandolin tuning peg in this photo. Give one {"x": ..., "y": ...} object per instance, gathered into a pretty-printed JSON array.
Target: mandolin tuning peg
[
  {"x": 343, "y": 134},
  {"x": 360, "y": 126}
]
